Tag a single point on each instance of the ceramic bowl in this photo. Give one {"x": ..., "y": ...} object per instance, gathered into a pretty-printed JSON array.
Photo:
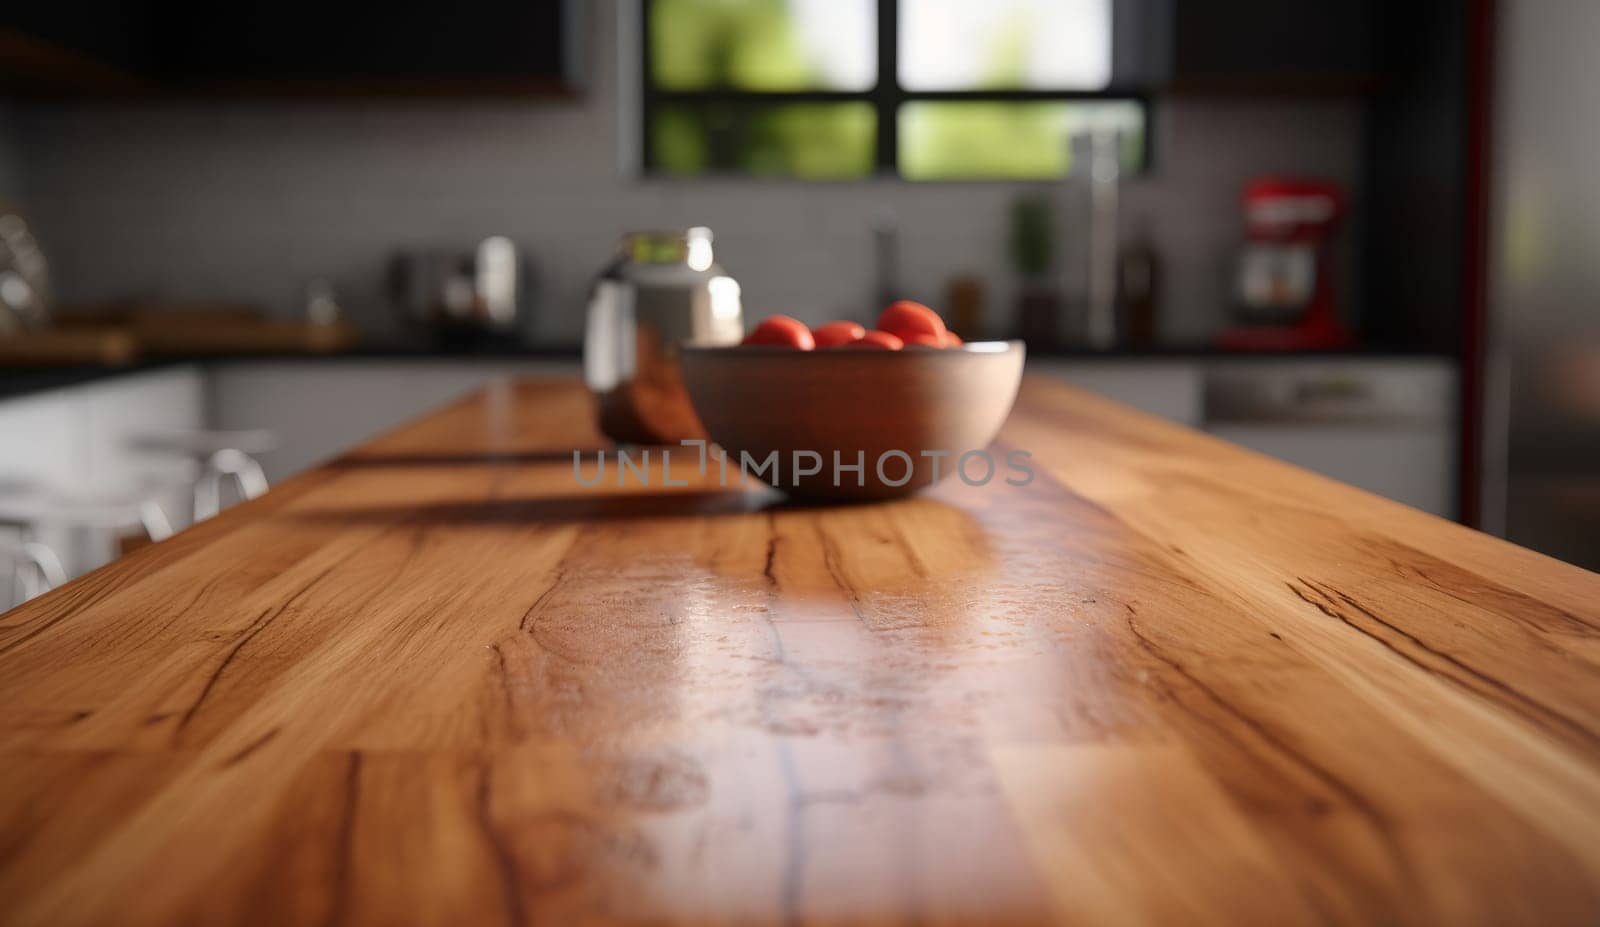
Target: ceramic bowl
[{"x": 863, "y": 406}]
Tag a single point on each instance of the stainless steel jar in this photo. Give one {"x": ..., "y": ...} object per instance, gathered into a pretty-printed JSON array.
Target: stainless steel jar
[{"x": 661, "y": 290}]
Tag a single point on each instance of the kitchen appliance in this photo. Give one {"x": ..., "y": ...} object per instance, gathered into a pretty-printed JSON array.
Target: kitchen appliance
[
  {"x": 661, "y": 290},
  {"x": 473, "y": 297},
  {"x": 1539, "y": 448},
  {"x": 24, "y": 279},
  {"x": 1284, "y": 290}
]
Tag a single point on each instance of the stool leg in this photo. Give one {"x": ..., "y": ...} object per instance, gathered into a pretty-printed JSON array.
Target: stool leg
[
  {"x": 154, "y": 519},
  {"x": 207, "y": 494},
  {"x": 248, "y": 479},
  {"x": 252, "y": 479},
  {"x": 247, "y": 475},
  {"x": 23, "y": 586},
  {"x": 47, "y": 571}
]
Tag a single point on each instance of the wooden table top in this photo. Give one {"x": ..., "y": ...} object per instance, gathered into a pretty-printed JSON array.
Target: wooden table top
[{"x": 1170, "y": 681}]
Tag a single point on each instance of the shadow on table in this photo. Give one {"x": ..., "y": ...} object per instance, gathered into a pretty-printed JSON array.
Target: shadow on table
[
  {"x": 590, "y": 507},
  {"x": 426, "y": 459},
  {"x": 610, "y": 506},
  {"x": 908, "y": 540}
]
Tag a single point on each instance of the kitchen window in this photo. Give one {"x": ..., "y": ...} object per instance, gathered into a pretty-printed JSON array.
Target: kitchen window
[{"x": 849, "y": 89}]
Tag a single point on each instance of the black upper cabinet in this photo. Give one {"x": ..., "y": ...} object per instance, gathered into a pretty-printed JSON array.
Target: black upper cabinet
[
  {"x": 1246, "y": 47},
  {"x": 66, "y": 48},
  {"x": 301, "y": 40},
  {"x": 300, "y": 46},
  {"x": 505, "y": 46},
  {"x": 1272, "y": 46}
]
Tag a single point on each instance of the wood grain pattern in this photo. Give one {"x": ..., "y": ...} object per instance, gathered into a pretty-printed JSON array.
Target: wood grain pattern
[{"x": 437, "y": 681}]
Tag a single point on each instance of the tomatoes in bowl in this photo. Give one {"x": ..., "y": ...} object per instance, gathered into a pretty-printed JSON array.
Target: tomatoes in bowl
[
  {"x": 910, "y": 321},
  {"x": 782, "y": 331},
  {"x": 924, "y": 340},
  {"x": 877, "y": 341},
  {"x": 903, "y": 324},
  {"x": 838, "y": 334}
]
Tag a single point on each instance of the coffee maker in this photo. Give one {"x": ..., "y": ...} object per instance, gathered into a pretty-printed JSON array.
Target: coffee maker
[{"x": 1284, "y": 296}]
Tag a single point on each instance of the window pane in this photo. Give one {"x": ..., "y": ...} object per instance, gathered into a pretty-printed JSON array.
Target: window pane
[
  {"x": 1019, "y": 141},
  {"x": 763, "y": 44},
  {"x": 1005, "y": 44},
  {"x": 814, "y": 141}
]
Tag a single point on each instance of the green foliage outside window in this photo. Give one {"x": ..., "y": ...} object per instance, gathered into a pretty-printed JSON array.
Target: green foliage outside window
[
  {"x": 732, "y": 44},
  {"x": 811, "y": 141},
  {"x": 755, "y": 47}
]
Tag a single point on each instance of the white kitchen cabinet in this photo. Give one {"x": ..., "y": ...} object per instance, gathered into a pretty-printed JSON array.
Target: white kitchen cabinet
[
  {"x": 1168, "y": 388},
  {"x": 320, "y": 407},
  {"x": 73, "y": 441},
  {"x": 1387, "y": 425},
  {"x": 1415, "y": 465},
  {"x": 41, "y": 438}
]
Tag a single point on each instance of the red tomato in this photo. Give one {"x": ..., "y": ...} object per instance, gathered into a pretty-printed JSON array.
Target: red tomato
[
  {"x": 877, "y": 341},
  {"x": 838, "y": 334},
  {"x": 782, "y": 331},
  {"x": 906, "y": 318},
  {"x": 952, "y": 340},
  {"x": 924, "y": 340}
]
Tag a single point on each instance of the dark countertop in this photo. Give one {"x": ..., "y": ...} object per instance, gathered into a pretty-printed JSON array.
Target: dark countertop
[{"x": 21, "y": 381}]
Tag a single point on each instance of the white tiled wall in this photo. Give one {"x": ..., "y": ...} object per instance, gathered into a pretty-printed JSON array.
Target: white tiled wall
[{"x": 249, "y": 201}]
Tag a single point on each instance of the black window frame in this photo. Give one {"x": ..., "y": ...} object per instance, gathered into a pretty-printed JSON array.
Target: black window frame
[{"x": 886, "y": 98}]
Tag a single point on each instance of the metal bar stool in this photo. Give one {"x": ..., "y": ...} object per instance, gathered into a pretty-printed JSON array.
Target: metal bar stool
[
  {"x": 35, "y": 569},
  {"x": 35, "y": 566},
  {"x": 219, "y": 457},
  {"x": 248, "y": 479}
]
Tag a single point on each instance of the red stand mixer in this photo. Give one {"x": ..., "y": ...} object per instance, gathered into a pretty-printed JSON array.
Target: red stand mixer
[{"x": 1285, "y": 284}]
